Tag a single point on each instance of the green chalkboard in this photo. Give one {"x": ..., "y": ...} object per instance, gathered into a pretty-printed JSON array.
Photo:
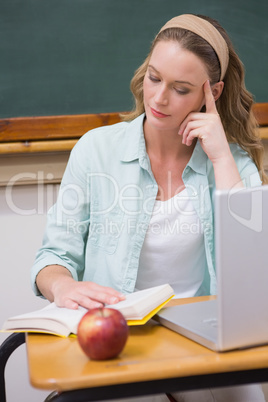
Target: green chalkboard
[{"x": 78, "y": 56}]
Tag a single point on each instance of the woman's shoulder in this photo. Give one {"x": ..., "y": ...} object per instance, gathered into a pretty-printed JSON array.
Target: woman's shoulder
[
  {"x": 237, "y": 150},
  {"x": 239, "y": 154},
  {"x": 246, "y": 166},
  {"x": 109, "y": 138},
  {"x": 104, "y": 133},
  {"x": 103, "y": 138}
]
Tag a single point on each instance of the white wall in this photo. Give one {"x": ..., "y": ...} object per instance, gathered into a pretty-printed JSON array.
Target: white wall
[{"x": 22, "y": 220}]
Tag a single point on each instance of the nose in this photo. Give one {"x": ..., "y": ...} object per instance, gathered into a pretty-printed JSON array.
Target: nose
[{"x": 161, "y": 95}]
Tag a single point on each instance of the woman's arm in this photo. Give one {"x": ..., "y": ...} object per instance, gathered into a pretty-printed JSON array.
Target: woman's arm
[
  {"x": 60, "y": 262},
  {"x": 226, "y": 173},
  {"x": 56, "y": 283},
  {"x": 207, "y": 127}
]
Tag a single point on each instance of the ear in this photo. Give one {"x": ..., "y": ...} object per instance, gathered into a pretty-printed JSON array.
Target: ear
[{"x": 217, "y": 89}]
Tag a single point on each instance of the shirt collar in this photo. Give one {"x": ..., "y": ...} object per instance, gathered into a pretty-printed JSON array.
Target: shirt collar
[
  {"x": 133, "y": 146},
  {"x": 198, "y": 160}
]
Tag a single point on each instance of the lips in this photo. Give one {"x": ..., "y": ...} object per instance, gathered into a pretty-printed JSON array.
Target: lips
[{"x": 158, "y": 114}]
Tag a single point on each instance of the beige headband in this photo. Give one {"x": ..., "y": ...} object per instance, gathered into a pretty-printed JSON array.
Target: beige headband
[{"x": 207, "y": 31}]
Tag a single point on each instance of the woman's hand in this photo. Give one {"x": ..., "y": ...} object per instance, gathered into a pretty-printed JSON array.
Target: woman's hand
[
  {"x": 56, "y": 284},
  {"x": 207, "y": 128}
]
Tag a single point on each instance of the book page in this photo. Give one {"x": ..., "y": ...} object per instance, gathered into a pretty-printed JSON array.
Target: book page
[
  {"x": 68, "y": 317},
  {"x": 140, "y": 303},
  {"x": 63, "y": 321}
]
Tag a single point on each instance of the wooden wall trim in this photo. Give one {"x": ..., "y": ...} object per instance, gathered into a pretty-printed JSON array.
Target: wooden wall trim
[
  {"x": 52, "y": 127},
  {"x": 29, "y": 147},
  {"x": 33, "y": 147},
  {"x": 24, "y": 135},
  {"x": 261, "y": 113}
]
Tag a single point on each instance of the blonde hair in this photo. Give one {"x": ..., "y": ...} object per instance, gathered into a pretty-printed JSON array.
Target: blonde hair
[{"x": 235, "y": 103}]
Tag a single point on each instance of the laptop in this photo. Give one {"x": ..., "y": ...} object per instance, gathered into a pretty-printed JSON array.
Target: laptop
[{"x": 238, "y": 317}]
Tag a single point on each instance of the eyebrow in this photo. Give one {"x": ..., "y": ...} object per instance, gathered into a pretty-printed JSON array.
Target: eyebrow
[{"x": 179, "y": 82}]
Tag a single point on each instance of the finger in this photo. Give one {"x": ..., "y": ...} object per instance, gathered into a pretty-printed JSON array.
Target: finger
[
  {"x": 183, "y": 125},
  {"x": 71, "y": 304},
  {"x": 81, "y": 299},
  {"x": 102, "y": 297},
  {"x": 105, "y": 289},
  {"x": 88, "y": 303},
  {"x": 209, "y": 99},
  {"x": 197, "y": 133},
  {"x": 192, "y": 125},
  {"x": 191, "y": 117},
  {"x": 67, "y": 303},
  {"x": 100, "y": 294}
]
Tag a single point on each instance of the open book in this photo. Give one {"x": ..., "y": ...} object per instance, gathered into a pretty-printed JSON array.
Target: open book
[{"x": 137, "y": 308}]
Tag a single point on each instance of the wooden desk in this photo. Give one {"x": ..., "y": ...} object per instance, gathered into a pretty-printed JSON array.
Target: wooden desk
[{"x": 155, "y": 360}]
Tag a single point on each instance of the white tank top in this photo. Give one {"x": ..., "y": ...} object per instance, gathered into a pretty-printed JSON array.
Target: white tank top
[{"x": 173, "y": 251}]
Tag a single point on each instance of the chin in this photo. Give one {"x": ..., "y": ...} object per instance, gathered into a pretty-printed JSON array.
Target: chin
[{"x": 160, "y": 124}]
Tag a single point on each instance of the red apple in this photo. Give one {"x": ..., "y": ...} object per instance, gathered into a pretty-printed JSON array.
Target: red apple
[{"x": 102, "y": 333}]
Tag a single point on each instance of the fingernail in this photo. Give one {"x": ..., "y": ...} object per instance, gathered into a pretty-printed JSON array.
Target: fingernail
[
  {"x": 97, "y": 305},
  {"x": 113, "y": 300}
]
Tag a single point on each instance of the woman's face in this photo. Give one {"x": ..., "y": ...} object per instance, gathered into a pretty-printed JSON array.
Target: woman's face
[{"x": 173, "y": 86}]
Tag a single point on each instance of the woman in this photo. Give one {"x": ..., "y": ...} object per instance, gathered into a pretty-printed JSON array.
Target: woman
[{"x": 137, "y": 197}]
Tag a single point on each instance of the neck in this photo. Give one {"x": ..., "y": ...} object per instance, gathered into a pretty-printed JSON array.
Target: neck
[{"x": 165, "y": 145}]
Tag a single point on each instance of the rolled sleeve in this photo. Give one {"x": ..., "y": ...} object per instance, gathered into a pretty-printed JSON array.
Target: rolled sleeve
[{"x": 67, "y": 221}]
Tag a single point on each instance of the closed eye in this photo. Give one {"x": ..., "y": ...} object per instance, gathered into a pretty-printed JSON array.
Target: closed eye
[
  {"x": 182, "y": 91},
  {"x": 153, "y": 78}
]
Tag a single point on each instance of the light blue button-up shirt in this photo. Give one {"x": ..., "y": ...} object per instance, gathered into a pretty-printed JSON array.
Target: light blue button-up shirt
[{"x": 97, "y": 227}]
